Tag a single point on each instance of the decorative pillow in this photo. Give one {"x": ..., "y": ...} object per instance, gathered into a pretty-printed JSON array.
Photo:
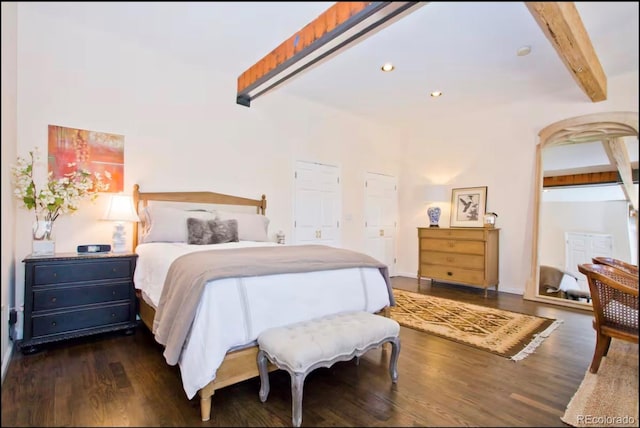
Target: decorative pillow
[
  {"x": 204, "y": 232},
  {"x": 251, "y": 227},
  {"x": 168, "y": 224}
]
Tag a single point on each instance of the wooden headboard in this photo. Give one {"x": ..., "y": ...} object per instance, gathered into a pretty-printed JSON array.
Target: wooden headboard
[{"x": 143, "y": 198}]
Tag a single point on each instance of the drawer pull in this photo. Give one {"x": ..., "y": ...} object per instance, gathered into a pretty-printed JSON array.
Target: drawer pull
[
  {"x": 450, "y": 259},
  {"x": 53, "y": 299},
  {"x": 55, "y": 274},
  {"x": 113, "y": 293},
  {"x": 53, "y": 323},
  {"x": 450, "y": 273},
  {"x": 114, "y": 269},
  {"x": 113, "y": 315}
]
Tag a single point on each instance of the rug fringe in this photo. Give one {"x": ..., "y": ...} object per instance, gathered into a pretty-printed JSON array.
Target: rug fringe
[{"x": 536, "y": 341}]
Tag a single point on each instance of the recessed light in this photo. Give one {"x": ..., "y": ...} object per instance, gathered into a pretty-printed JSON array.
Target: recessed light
[
  {"x": 387, "y": 67},
  {"x": 436, "y": 94},
  {"x": 524, "y": 50}
]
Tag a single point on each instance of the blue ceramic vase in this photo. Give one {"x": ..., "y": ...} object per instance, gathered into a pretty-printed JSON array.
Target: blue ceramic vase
[{"x": 434, "y": 216}]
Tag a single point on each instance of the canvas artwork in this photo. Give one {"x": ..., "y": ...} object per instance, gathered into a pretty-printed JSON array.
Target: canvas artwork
[
  {"x": 468, "y": 206},
  {"x": 91, "y": 150}
]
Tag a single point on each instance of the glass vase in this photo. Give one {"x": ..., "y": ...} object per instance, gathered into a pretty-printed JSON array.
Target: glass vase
[{"x": 43, "y": 243}]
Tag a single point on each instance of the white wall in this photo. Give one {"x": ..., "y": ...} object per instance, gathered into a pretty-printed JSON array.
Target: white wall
[
  {"x": 608, "y": 217},
  {"x": 182, "y": 128},
  {"x": 492, "y": 147},
  {"x": 9, "y": 131}
]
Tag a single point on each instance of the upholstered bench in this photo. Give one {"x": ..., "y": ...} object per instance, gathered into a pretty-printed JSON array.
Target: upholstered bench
[{"x": 303, "y": 347}]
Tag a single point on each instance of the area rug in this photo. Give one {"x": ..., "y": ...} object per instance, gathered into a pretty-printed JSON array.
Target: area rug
[
  {"x": 608, "y": 398},
  {"x": 509, "y": 334}
]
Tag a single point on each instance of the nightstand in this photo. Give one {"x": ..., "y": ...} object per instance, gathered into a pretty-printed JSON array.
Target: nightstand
[{"x": 70, "y": 295}]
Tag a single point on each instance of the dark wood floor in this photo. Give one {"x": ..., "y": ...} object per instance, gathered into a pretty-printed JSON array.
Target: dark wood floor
[{"x": 118, "y": 380}]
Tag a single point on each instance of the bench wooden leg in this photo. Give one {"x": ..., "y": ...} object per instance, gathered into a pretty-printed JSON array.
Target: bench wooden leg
[
  {"x": 297, "y": 384},
  {"x": 264, "y": 376},
  {"x": 393, "y": 363}
]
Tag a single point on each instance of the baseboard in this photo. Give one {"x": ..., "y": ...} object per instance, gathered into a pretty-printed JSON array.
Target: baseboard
[
  {"x": 408, "y": 275},
  {"x": 6, "y": 360},
  {"x": 501, "y": 289}
]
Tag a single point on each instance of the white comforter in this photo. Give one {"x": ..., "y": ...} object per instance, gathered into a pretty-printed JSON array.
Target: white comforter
[{"x": 234, "y": 311}]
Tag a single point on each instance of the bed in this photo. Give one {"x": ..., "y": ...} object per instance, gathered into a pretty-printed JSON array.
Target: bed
[{"x": 258, "y": 284}]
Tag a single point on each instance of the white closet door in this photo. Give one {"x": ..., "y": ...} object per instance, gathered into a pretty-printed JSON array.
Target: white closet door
[
  {"x": 317, "y": 204},
  {"x": 581, "y": 248},
  {"x": 381, "y": 211}
]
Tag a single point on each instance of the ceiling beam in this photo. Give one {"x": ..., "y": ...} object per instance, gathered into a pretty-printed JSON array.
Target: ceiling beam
[
  {"x": 617, "y": 151},
  {"x": 339, "y": 27},
  {"x": 561, "y": 23},
  {"x": 584, "y": 179}
]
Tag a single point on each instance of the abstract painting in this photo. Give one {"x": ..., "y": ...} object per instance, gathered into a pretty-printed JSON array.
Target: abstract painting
[{"x": 91, "y": 150}]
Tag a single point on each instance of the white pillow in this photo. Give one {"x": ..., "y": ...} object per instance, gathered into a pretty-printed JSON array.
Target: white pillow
[
  {"x": 168, "y": 224},
  {"x": 251, "y": 227}
]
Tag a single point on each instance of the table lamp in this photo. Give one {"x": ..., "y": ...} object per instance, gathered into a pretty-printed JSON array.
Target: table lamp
[{"x": 120, "y": 210}]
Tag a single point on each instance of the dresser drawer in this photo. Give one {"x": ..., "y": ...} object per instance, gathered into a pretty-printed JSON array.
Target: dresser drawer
[
  {"x": 85, "y": 271},
  {"x": 453, "y": 246},
  {"x": 467, "y": 261},
  {"x": 79, "y": 319},
  {"x": 62, "y": 297},
  {"x": 448, "y": 273},
  {"x": 437, "y": 233}
]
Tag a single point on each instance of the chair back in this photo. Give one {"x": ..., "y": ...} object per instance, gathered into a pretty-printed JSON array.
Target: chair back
[
  {"x": 615, "y": 300},
  {"x": 618, "y": 264}
]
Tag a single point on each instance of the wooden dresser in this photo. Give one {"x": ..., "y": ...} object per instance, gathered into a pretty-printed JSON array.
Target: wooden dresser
[{"x": 459, "y": 255}]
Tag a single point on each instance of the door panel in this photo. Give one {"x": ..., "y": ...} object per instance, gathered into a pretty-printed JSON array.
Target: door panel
[
  {"x": 581, "y": 248},
  {"x": 381, "y": 218},
  {"x": 317, "y": 204}
]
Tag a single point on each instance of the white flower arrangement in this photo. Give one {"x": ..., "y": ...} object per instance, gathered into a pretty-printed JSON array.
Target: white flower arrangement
[{"x": 58, "y": 196}]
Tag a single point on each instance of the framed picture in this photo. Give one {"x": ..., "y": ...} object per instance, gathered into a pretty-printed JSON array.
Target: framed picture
[{"x": 468, "y": 206}]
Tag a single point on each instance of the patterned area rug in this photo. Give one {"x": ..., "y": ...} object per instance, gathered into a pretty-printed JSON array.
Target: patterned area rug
[{"x": 509, "y": 334}]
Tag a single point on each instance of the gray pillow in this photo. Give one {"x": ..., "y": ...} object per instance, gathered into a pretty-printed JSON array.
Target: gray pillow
[{"x": 205, "y": 232}]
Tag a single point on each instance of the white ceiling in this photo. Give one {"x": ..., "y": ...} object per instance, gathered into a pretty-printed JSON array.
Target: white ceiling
[
  {"x": 468, "y": 51},
  {"x": 609, "y": 192},
  {"x": 465, "y": 49},
  {"x": 583, "y": 158}
]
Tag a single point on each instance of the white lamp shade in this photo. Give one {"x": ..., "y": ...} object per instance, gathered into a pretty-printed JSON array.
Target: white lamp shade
[
  {"x": 436, "y": 193},
  {"x": 121, "y": 209}
]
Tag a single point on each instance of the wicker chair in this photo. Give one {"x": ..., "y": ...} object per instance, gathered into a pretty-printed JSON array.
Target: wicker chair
[
  {"x": 618, "y": 264},
  {"x": 615, "y": 307}
]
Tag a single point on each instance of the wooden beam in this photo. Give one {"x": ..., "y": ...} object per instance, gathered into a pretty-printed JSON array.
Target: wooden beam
[
  {"x": 617, "y": 150},
  {"x": 594, "y": 178},
  {"x": 606, "y": 177},
  {"x": 339, "y": 27},
  {"x": 561, "y": 23}
]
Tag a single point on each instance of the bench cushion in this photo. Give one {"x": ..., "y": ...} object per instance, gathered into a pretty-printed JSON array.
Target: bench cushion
[{"x": 299, "y": 346}]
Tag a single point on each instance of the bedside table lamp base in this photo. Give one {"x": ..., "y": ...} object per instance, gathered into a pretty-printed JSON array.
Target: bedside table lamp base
[{"x": 119, "y": 244}]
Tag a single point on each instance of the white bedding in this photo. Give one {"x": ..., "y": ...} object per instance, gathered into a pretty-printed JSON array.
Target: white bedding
[{"x": 233, "y": 311}]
